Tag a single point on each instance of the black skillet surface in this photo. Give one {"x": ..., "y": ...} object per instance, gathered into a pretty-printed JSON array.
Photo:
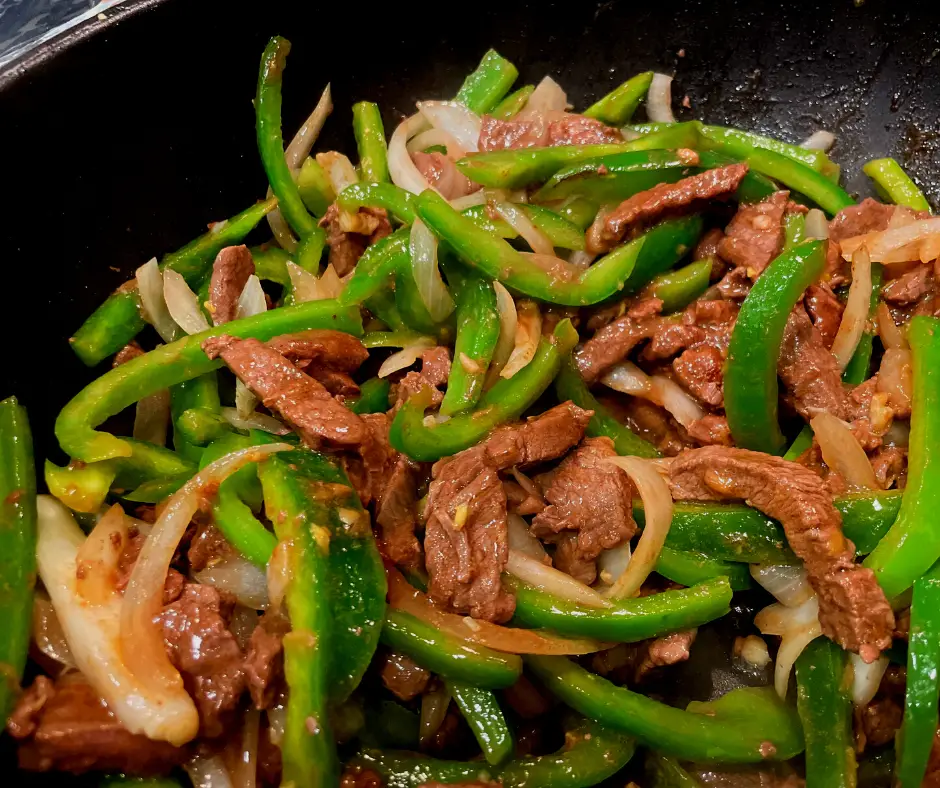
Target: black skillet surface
[{"x": 121, "y": 140}]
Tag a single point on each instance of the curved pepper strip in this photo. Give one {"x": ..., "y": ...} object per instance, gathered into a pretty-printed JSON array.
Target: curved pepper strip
[
  {"x": 201, "y": 393},
  {"x": 569, "y": 385},
  {"x": 172, "y": 364},
  {"x": 380, "y": 261},
  {"x": 923, "y": 682},
  {"x": 271, "y": 264},
  {"x": 512, "y": 105},
  {"x": 308, "y": 750},
  {"x": 677, "y": 289},
  {"x": 561, "y": 231},
  {"x": 507, "y": 400},
  {"x": 373, "y": 397},
  {"x": 18, "y": 541},
  {"x": 118, "y": 320},
  {"x": 893, "y": 184},
  {"x": 692, "y": 569},
  {"x": 618, "y": 106},
  {"x": 314, "y": 186},
  {"x": 751, "y": 374},
  {"x": 591, "y": 754},
  {"x": 747, "y": 725},
  {"x": 912, "y": 545},
  {"x": 199, "y": 426},
  {"x": 370, "y": 140},
  {"x": 824, "y": 703},
  {"x": 664, "y": 771},
  {"x": 489, "y": 82},
  {"x": 411, "y": 307},
  {"x": 397, "y": 201},
  {"x": 448, "y": 656},
  {"x": 482, "y": 712},
  {"x": 625, "y": 621}
]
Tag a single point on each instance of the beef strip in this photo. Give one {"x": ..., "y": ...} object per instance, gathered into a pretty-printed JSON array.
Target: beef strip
[
  {"x": 358, "y": 777},
  {"x": 664, "y": 198},
  {"x": 321, "y": 348},
  {"x": 735, "y": 285},
  {"x": 207, "y": 547},
  {"x": 709, "y": 245},
  {"x": 853, "y": 610},
  {"x": 404, "y": 677},
  {"x": 649, "y": 421},
  {"x": 264, "y": 659},
  {"x": 301, "y": 400},
  {"x": 909, "y": 288},
  {"x": 434, "y": 372},
  {"x": 701, "y": 370},
  {"x": 889, "y": 464},
  {"x": 230, "y": 271},
  {"x": 610, "y": 345},
  {"x": 633, "y": 663},
  {"x": 549, "y": 130},
  {"x": 466, "y": 543},
  {"x": 201, "y": 646},
  {"x": 755, "y": 236},
  {"x": 808, "y": 370},
  {"x": 866, "y": 217},
  {"x": 130, "y": 351},
  {"x": 825, "y": 310},
  {"x": 710, "y": 430},
  {"x": 69, "y": 727},
  {"x": 877, "y": 723},
  {"x": 443, "y": 175},
  {"x": 174, "y": 583},
  {"x": 522, "y": 501},
  {"x": 349, "y": 234},
  {"x": 590, "y": 508}
]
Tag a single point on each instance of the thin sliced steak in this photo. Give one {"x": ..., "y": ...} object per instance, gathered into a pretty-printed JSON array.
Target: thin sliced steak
[
  {"x": 127, "y": 353},
  {"x": 808, "y": 370},
  {"x": 853, "y": 610},
  {"x": 909, "y": 288},
  {"x": 443, "y": 175},
  {"x": 264, "y": 659},
  {"x": 755, "y": 236},
  {"x": 321, "y": 347},
  {"x": 540, "y": 438},
  {"x": 611, "y": 345},
  {"x": 825, "y": 310},
  {"x": 543, "y": 131},
  {"x": 230, "y": 271},
  {"x": 301, "y": 400},
  {"x": 867, "y": 217},
  {"x": 404, "y": 677},
  {"x": 434, "y": 372},
  {"x": 348, "y": 234}
]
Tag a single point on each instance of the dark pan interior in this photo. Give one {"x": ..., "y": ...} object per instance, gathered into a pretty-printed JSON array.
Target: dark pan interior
[{"x": 122, "y": 141}]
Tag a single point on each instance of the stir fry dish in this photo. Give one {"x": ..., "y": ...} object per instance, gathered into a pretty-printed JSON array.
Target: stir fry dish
[{"x": 540, "y": 447}]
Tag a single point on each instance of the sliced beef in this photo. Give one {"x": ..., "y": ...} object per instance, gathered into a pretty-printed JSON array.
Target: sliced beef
[
  {"x": 867, "y": 217},
  {"x": 522, "y": 501},
  {"x": 878, "y": 722},
  {"x": 853, "y": 610},
  {"x": 206, "y": 653},
  {"x": 808, "y": 370},
  {"x": 825, "y": 310},
  {"x": 404, "y": 677},
  {"x": 230, "y": 271},
  {"x": 755, "y": 236},
  {"x": 348, "y": 234},
  {"x": 321, "y": 347},
  {"x": 611, "y": 345},
  {"x": 709, "y": 245},
  {"x": 264, "y": 659},
  {"x": 301, "y": 400},
  {"x": 649, "y": 421},
  {"x": 889, "y": 464},
  {"x": 69, "y": 727},
  {"x": 357, "y": 777},
  {"x": 441, "y": 172},
  {"x": 434, "y": 372},
  {"x": 130, "y": 351},
  {"x": 175, "y": 581},
  {"x": 663, "y": 652},
  {"x": 207, "y": 547},
  {"x": 663, "y": 199},
  {"x": 590, "y": 508},
  {"x": 550, "y": 130},
  {"x": 701, "y": 370},
  {"x": 538, "y": 439},
  {"x": 735, "y": 285},
  {"x": 909, "y": 288},
  {"x": 710, "y": 430}
]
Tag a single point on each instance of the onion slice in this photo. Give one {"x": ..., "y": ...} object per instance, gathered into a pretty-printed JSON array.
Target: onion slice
[
  {"x": 528, "y": 334},
  {"x": 235, "y": 574},
  {"x": 435, "y": 137},
  {"x": 401, "y": 168},
  {"x": 339, "y": 169},
  {"x": 892, "y": 337},
  {"x": 96, "y": 565},
  {"x": 404, "y": 358},
  {"x": 548, "y": 96},
  {"x": 797, "y": 626},
  {"x": 427, "y": 275},
  {"x": 456, "y": 120},
  {"x": 252, "y": 300},
  {"x": 842, "y": 452},
  {"x": 468, "y": 201},
  {"x": 254, "y": 421},
  {"x": 182, "y": 304},
  {"x": 786, "y": 582},
  {"x": 434, "y": 705},
  {"x": 866, "y": 678},
  {"x": 150, "y": 290},
  {"x": 508, "y": 323},
  {"x": 521, "y": 539},
  {"x": 817, "y": 225},
  {"x": 516, "y": 218},
  {"x": 141, "y": 639},
  {"x": 896, "y": 378},
  {"x": 403, "y": 596},
  {"x": 910, "y": 242},
  {"x": 855, "y": 316},
  {"x": 552, "y": 581},
  {"x": 659, "y": 99},
  {"x": 819, "y": 140},
  {"x": 628, "y": 378},
  {"x": 657, "y": 503},
  {"x": 47, "y": 632},
  {"x": 611, "y": 564},
  {"x": 208, "y": 771},
  {"x": 245, "y": 769}
]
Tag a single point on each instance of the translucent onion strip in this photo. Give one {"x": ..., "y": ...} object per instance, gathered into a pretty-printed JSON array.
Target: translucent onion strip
[
  {"x": 855, "y": 315},
  {"x": 548, "y": 96},
  {"x": 401, "y": 168},
  {"x": 521, "y": 539},
  {"x": 427, "y": 275},
  {"x": 339, "y": 169},
  {"x": 657, "y": 503},
  {"x": 528, "y": 334},
  {"x": 405, "y": 357},
  {"x": 787, "y": 583},
  {"x": 245, "y": 769},
  {"x": 797, "y": 626},
  {"x": 254, "y": 421},
  {"x": 890, "y": 333},
  {"x": 842, "y": 452},
  {"x": 251, "y": 301},
  {"x": 208, "y": 771},
  {"x": 432, "y": 138},
  {"x": 552, "y": 581},
  {"x": 516, "y": 218},
  {"x": 48, "y": 634},
  {"x": 455, "y": 119},
  {"x": 150, "y": 290},
  {"x": 910, "y": 242},
  {"x": 628, "y": 378},
  {"x": 659, "y": 99},
  {"x": 508, "y": 323},
  {"x": 182, "y": 304},
  {"x": 434, "y": 705},
  {"x": 817, "y": 225},
  {"x": 239, "y": 577},
  {"x": 866, "y": 678},
  {"x": 819, "y": 140}
]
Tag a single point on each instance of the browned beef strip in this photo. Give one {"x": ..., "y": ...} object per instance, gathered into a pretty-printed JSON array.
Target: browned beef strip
[
  {"x": 755, "y": 236},
  {"x": 889, "y": 464},
  {"x": 709, "y": 245},
  {"x": 735, "y": 285},
  {"x": 357, "y": 777},
  {"x": 649, "y": 421},
  {"x": 435, "y": 369},
  {"x": 701, "y": 370},
  {"x": 204, "y": 650},
  {"x": 878, "y": 722},
  {"x": 540, "y": 438},
  {"x": 230, "y": 271},
  {"x": 69, "y": 727},
  {"x": 339, "y": 384},
  {"x": 664, "y": 198},
  {"x": 563, "y": 129},
  {"x": 711, "y": 430},
  {"x": 321, "y": 348},
  {"x": 808, "y": 370},
  {"x": 300, "y": 399},
  {"x": 671, "y": 336},
  {"x": 908, "y": 288},
  {"x": 207, "y": 547},
  {"x": 578, "y": 130},
  {"x": 825, "y": 310},
  {"x": 348, "y": 234},
  {"x": 662, "y": 652},
  {"x": 441, "y": 172},
  {"x": 130, "y": 351},
  {"x": 611, "y": 345},
  {"x": 264, "y": 659},
  {"x": 402, "y": 676},
  {"x": 592, "y": 498},
  {"x": 175, "y": 581},
  {"x": 867, "y": 217},
  {"x": 521, "y": 501},
  {"x": 853, "y": 610}
]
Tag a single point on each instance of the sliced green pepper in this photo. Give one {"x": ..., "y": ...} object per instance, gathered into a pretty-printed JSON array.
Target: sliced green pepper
[
  {"x": 199, "y": 427},
  {"x": 558, "y": 229},
  {"x": 370, "y": 139},
  {"x": 201, "y": 393},
  {"x": 751, "y": 376},
  {"x": 677, "y": 289},
  {"x": 665, "y": 771},
  {"x": 618, "y": 106},
  {"x": 373, "y": 397},
  {"x": 378, "y": 264},
  {"x": 482, "y": 712},
  {"x": 895, "y": 185},
  {"x": 314, "y": 186},
  {"x": 398, "y": 202},
  {"x": 691, "y": 569},
  {"x": 483, "y": 89},
  {"x": 512, "y": 105},
  {"x": 794, "y": 230},
  {"x": 579, "y": 211}
]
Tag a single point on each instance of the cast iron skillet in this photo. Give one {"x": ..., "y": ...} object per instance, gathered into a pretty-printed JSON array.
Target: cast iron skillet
[{"x": 122, "y": 139}]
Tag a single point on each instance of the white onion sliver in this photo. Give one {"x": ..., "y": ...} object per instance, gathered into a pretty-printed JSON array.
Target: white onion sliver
[
  {"x": 245, "y": 769},
  {"x": 896, "y": 377},
  {"x": 208, "y": 771},
  {"x": 881, "y": 244},
  {"x": 548, "y": 96},
  {"x": 842, "y": 452},
  {"x": 796, "y": 626},
  {"x": 817, "y": 225},
  {"x": 468, "y": 201},
  {"x": 786, "y": 582},
  {"x": 456, "y": 120},
  {"x": 245, "y": 400},
  {"x": 433, "y": 137},
  {"x": 855, "y": 315},
  {"x": 659, "y": 99},
  {"x": 866, "y": 678},
  {"x": 528, "y": 334},
  {"x": 552, "y": 581},
  {"x": 304, "y": 285},
  {"x": 581, "y": 258},
  {"x": 237, "y": 575},
  {"x": 657, "y": 504},
  {"x": 405, "y": 357},
  {"x": 182, "y": 304},
  {"x": 890, "y": 332},
  {"x": 150, "y": 289},
  {"x": 427, "y": 275},
  {"x": 302, "y": 143},
  {"x": 819, "y": 140},
  {"x": 339, "y": 169},
  {"x": 48, "y": 634},
  {"x": 401, "y": 168},
  {"x": 791, "y": 646},
  {"x": 330, "y": 283},
  {"x": 281, "y": 230},
  {"x": 516, "y": 218},
  {"x": 521, "y": 539},
  {"x": 251, "y": 301},
  {"x": 628, "y": 378},
  {"x": 508, "y": 322},
  {"x": 254, "y": 421},
  {"x": 612, "y": 563},
  {"x": 152, "y": 418}
]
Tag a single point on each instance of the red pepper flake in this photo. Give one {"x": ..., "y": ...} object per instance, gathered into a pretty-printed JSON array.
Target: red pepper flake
[{"x": 14, "y": 497}]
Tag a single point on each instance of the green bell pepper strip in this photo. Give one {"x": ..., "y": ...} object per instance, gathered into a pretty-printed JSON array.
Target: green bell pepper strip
[
  {"x": 118, "y": 320},
  {"x": 664, "y": 771},
  {"x": 172, "y": 364},
  {"x": 309, "y": 252},
  {"x": 477, "y": 334},
  {"x": 382, "y": 307},
  {"x": 370, "y": 140},
  {"x": 448, "y": 656},
  {"x": 692, "y": 569},
  {"x": 414, "y": 313},
  {"x": 893, "y": 184},
  {"x": 482, "y": 712},
  {"x": 389, "y": 724},
  {"x": 664, "y": 245},
  {"x": 512, "y": 105},
  {"x": 271, "y": 264},
  {"x": 314, "y": 186},
  {"x": 579, "y": 211},
  {"x": 677, "y": 289},
  {"x": 82, "y": 489},
  {"x": 569, "y": 385},
  {"x": 625, "y": 621},
  {"x": 308, "y": 750},
  {"x": 739, "y": 727},
  {"x": 271, "y": 141},
  {"x": 923, "y": 682},
  {"x": 378, "y": 263},
  {"x": 373, "y": 397},
  {"x": 488, "y": 84},
  {"x": 824, "y": 703},
  {"x": 507, "y": 400},
  {"x": 751, "y": 372},
  {"x": 155, "y": 491},
  {"x": 398, "y": 202},
  {"x": 199, "y": 427},
  {"x": 592, "y": 753},
  {"x": 385, "y": 339},
  {"x": 18, "y": 557},
  {"x": 912, "y": 545},
  {"x": 558, "y": 229},
  {"x": 618, "y": 106},
  {"x": 201, "y": 393},
  {"x": 794, "y": 230}
]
